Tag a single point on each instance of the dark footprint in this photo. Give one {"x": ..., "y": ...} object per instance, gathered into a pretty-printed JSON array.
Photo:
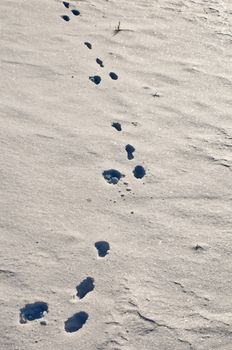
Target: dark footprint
[
  {"x": 100, "y": 62},
  {"x": 113, "y": 76},
  {"x": 75, "y": 12},
  {"x": 66, "y": 4},
  {"x": 117, "y": 126},
  {"x": 88, "y": 45},
  {"x": 139, "y": 172},
  {"x": 65, "y": 18},
  {"x": 95, "y": 79},
  {"x": 112, "y": 176},
  {"x": 85, "y": 287},
  {"x": 31, "y": 312},
  {"x": 130, "y": 150},
  {"x": 76, "y": 322},
  {"x": 102, "y": 247}
]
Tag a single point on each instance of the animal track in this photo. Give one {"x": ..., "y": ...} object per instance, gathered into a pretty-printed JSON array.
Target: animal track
[
  {"x": 95, "y": 79},
  {"x": 31, "y": 312},
  {"x": 65, "y": 18},
  {"x": 139, "y": 172},
  {"x": 130, "y": 150},
  {"x": 102, "y": 247},
  {"x": 88, "y": 45},
  {"x": 113, "y": 76},
  {"x": 86, "y": 286},
  {"x": 100, "y": 62},
  {"x": 76, "y": 322},
  {"x": 117, "y": 126},
  {"x": 75, "y": 12},
  {"x": 112, "y": 176},
  {"x": 66, "y": 4}
]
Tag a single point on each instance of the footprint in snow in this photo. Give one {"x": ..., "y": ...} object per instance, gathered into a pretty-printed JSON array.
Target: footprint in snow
[
  {"x": 130, "y": 150},
  {"x": 103, "y": 248},
  {"x": 85, "y": 287},
  {"x": 100, "y": 62},
  {"x": 113, "y": 76},
  {"x": 139, "y": 172},
  {"x": 75, "y": 12},
  {"x": 65, "y": 18},
  {"x": 117, "y": 126},
  {"x": 95, "y": 79},
  {"x": 87, "y": 44},
  {"x": 66, "y": 4},
  {"x": 34, "y": 311},
  {"x": 112, "y": 176},
  {"x": 76, "y": 322}
]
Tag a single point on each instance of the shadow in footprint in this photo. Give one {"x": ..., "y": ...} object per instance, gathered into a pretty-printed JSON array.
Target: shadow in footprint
[
  {"x": 31, "y": 312},
  {"x": 76, "y": 322},
  {"x": 113, "y": 76},
  {"x": 75, "y": 12},
  {"x": 112, "y": 176},
  {"x": 117, "y": 126},
  {"x": 88, "y": 45},
  {"x": 65, "y": 18},
  {"x": 66, "y": 4},
  {"x": 100, "y": 62},
  {"x": 103, "y": 248},
  {"x": 139, "y": 172},
  {"x": 86, "y": 286},
  {"x": 130, "y": 150},
  {"x": 95, "y": 79}
]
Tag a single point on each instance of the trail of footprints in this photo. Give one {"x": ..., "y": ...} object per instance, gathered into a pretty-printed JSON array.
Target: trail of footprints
[
  {"x": 112, "y": 176},
  {"x": 96, "y": 79},
  {"x": 38, "y": 309},
  {"x": 75, "y": 12}
]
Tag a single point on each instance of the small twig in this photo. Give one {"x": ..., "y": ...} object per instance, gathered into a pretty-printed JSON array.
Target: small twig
[
  {"x": 118, "y": 29},
  {"x": 156, "y": 95}
]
